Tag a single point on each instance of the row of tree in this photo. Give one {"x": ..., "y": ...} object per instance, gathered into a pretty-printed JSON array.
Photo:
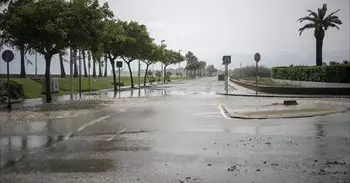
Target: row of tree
[
  {"x": 86, "y": 28},
  {"x": 250, "y": 71},
  {"x": 194, "y": 67}
]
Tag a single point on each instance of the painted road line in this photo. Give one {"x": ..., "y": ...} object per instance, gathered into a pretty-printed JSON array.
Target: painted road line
[
  {"x": 224, "y": 112},
  {"x": 92, "y": 122},
  {"x": 96, "y": 121},
  {"x": 118, "y": 133}
]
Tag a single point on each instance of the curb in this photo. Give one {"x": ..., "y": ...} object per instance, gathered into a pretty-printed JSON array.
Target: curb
[
  {"x": 284, "y": 96},
  {"x": 238, "y": 116}
]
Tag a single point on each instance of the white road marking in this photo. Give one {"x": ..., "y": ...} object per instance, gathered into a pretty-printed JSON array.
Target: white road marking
[
  {"x": 118, "y": 133},
  {"x": 223, "y": 112},
  {"x": 92, "y": 122},
  {"x": 96, "y": 121}
]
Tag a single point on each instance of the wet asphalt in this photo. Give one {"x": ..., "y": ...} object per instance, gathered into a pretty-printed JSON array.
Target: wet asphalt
[{"x": 178, "y": 133}]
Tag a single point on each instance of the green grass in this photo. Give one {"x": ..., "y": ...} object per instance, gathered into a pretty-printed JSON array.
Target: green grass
[
  {"x": 32, "y": 89},
  {"x": 261, "y": 81}
]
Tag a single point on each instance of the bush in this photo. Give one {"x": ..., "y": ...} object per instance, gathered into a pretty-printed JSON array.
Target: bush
[
  {"x": 249, "y": 71},
  {"x": 17, "y": 91},
  {"x": 335, "y": 73}
]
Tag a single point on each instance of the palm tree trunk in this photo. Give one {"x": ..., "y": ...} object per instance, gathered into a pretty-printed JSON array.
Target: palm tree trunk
[
  {"x": 93, "y": 67},
  {"x": 84, "y": 63},
  {"x": 130, "y": 72},
  {"x": 47, "y": 78},
  {"x": 145, "y": 78},
  {"x": 63, "y": 72},
  {"x": 23, "y": 68},
  {"x": 75, "y": 72},
  {"x": 319, "y": 46},
  {"x": 114, "y": 75},
  {"x": 164, "y": 73},
  {"x": 106, "y": 66},
  {"x": 99, "y": 69}
]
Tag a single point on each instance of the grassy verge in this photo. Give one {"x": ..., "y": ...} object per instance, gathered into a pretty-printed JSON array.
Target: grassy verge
[
  {"x": 32, "y": 89},
  {"x": 267, "y": 81}
]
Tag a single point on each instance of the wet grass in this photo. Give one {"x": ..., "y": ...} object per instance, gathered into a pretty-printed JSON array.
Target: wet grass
[
  {"x": 267, "y": 81},
  {"x": 33, "y": 89}
]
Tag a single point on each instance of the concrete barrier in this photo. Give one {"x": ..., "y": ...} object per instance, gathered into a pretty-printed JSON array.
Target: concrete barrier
[{"x": 295, "y": 89}]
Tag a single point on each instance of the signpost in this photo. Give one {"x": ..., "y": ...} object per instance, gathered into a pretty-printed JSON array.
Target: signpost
[
  {"x": 257, "y": 58},
  {"x": 119, "y": 65},
  {"x": 226, "y": 60},
  {"x": 8, "y": 56}
]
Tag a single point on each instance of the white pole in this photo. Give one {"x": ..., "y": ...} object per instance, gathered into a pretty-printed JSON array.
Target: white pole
[{"x": 226, "y": 78}]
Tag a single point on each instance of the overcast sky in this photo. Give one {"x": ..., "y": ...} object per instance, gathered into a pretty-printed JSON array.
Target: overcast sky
[{"x": 213, "y": 28}]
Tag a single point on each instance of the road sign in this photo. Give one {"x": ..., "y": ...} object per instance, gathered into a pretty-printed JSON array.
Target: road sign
[
  {"x": 8, "y": 56},
  {"x": 226, "y": 59},
  {"x": 119, "y": 64},
  {"x": 257, "y": 57}
]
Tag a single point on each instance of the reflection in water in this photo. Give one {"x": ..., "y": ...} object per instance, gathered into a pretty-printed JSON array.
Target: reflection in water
[{"x": 320, "y": 130}]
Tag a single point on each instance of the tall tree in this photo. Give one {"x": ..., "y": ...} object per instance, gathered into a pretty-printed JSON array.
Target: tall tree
[
  {"x": 20, "y": 40},
  {"x": 93, "y": 67},
  {"x": 320, "y": 23},
  {"x": 63, "y": 72},
  {"x": 151, "y": 55},
  {"x": 75, "y": 66},
  {"x": 46, "y": 35},
  {"x": 113, "y": 41},
  {"x": 99, "y": 68},
  {"x": 84, "y": 63},
  {"x": 106, "y": 68},
  {"x": 137, "y": 38},
  {"x": 210, "y": 70},
  {"x": 170, "y": 57},
  {"x": 202, "y": 65}
]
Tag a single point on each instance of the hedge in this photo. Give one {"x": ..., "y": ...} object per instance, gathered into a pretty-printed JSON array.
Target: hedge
[{"x": 335, "y": 74}]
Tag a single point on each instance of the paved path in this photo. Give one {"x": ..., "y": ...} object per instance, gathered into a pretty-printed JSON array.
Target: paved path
[{"x": 181, "y": 134}]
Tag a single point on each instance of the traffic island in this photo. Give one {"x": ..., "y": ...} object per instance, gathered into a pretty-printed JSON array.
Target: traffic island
[{"x": 280, "y": 110}]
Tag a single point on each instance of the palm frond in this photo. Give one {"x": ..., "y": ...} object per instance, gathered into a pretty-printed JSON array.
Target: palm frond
[
  {"x": 322, "y": 12},
  {"x": 330, "y": 16},
  {"x": 312, "y": 13},
  {"x": 307, "y": 26},
  {"x": 333, "y": 19},
  {"x": 330, "y": 25},
  {"x": 307, "y": 18}
]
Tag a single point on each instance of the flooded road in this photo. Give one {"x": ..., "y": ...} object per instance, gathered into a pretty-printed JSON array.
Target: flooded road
[{"x": 177, "y": 133}]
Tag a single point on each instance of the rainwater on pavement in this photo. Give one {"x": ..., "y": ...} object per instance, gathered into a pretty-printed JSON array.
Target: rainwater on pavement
[{"x": 177, "y": 133}]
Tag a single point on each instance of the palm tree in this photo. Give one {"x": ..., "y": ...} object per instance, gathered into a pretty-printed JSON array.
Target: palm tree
[{"x": 320, "y": 22}]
